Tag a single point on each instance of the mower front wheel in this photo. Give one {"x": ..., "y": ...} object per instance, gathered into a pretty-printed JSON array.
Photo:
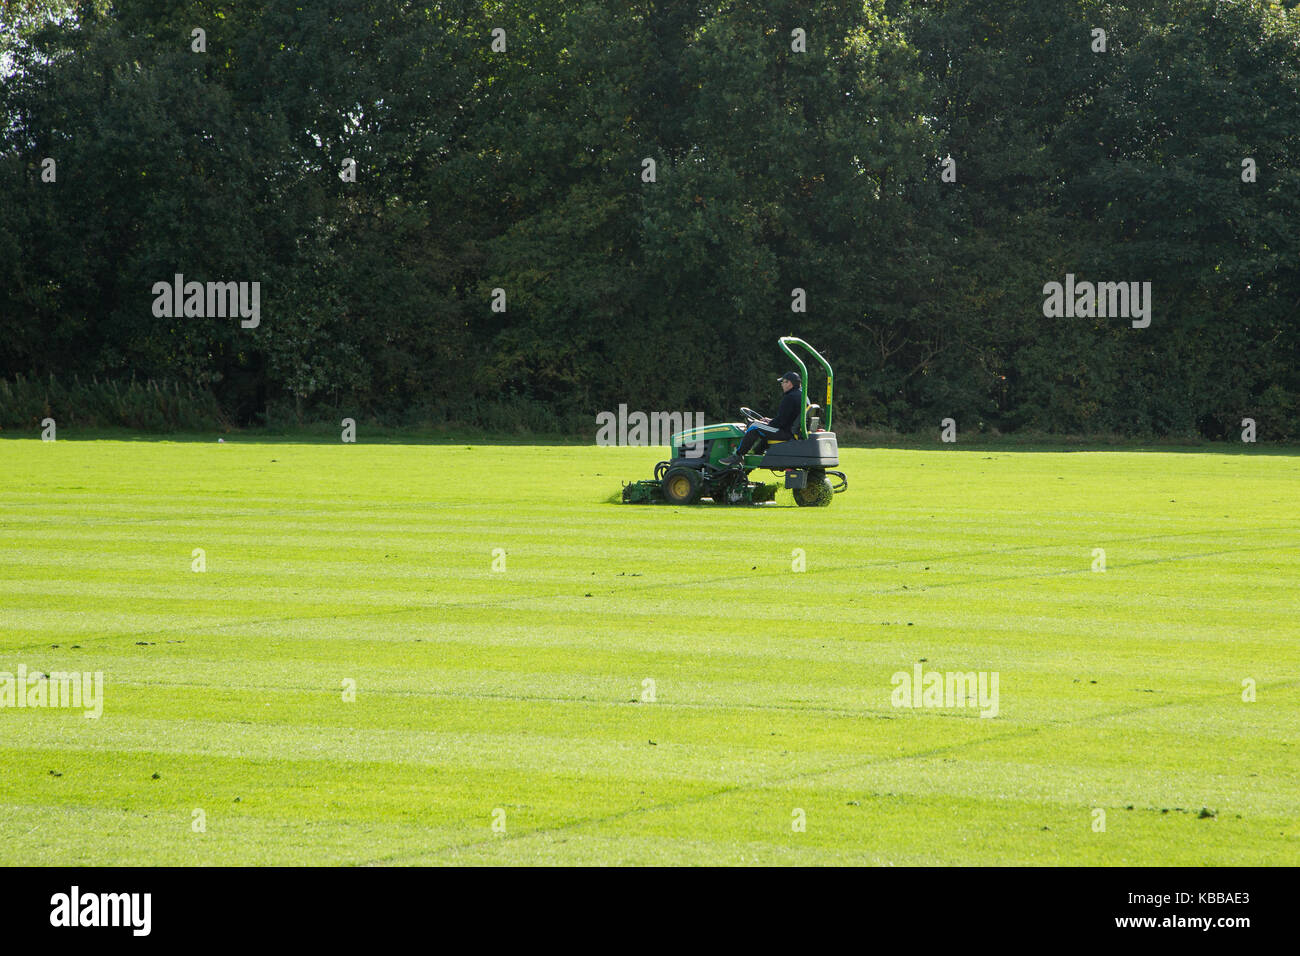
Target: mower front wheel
[
  {"x": 817, "y": 493},
  {"x": 682, "y": 486}
]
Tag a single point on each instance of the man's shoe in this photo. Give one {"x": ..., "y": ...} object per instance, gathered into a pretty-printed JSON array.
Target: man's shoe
[{"x": 730, "y": 461}]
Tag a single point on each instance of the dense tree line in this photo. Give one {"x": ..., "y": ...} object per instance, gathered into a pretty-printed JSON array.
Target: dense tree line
[{"x": 919, "y": 168}]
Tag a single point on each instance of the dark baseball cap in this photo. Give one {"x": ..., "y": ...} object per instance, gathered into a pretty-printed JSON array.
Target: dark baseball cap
[{"x": 792, "y": 377}]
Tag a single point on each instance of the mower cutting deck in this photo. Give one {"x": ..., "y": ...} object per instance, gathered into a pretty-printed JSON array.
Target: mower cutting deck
[{"x": 696, "y": 471}]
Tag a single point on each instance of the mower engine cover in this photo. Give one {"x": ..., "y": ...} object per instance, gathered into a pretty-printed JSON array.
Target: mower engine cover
[
  {"x": 707, "y": 443},
  {"x": 818, "y": 450}
]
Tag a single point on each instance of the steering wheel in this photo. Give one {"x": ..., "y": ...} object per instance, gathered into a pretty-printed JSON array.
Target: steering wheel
[{"x": 751, "y": 416}]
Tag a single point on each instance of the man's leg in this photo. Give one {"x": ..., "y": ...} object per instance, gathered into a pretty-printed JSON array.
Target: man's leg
[
  {"x": 752, "y": 435},
  {"x": 766, "y": 437}
]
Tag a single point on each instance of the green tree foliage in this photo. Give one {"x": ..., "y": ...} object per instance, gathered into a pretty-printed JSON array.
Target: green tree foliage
[
  {"x": 776, "y": 168},
  {"x": 1122, "y": 165}
]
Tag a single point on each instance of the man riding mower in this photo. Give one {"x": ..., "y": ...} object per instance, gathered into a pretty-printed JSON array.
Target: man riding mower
[
  {"x": 715, "y": 461},
  {"x": 780, "y": 427}
]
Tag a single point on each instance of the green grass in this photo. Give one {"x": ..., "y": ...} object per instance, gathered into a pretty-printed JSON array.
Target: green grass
[{"x": 522, "y": 690}]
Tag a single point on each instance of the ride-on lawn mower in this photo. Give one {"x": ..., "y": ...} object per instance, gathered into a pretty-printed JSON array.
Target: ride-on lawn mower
[{"x": 696, "y": 470}]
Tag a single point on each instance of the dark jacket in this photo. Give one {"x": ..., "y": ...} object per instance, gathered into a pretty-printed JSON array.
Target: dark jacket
[{"x": 787, "y": 416}]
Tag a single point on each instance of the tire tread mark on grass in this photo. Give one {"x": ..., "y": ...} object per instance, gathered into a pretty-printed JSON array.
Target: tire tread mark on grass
[
  {"x": 652, "y": 586},
  {"x": 790, "y": 779}
]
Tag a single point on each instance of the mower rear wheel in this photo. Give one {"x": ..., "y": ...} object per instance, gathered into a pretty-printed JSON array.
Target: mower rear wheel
[
  {"x": 817, "y": 493},
  {"x": 682, "y": 486}
]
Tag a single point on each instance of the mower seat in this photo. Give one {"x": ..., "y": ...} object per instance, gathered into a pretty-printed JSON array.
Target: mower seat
[{"x": 814, "y": 411}]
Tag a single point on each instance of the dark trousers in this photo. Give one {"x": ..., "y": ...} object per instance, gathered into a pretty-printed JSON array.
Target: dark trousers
[{"x": 760, "y": 431}]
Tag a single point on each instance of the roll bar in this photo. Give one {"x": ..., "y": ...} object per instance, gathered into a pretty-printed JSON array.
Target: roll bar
[{"x": 786, "y": 341}]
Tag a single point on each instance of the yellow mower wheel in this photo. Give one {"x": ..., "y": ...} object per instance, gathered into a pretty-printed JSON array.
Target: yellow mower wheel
[{"x": 682, "y": 486}]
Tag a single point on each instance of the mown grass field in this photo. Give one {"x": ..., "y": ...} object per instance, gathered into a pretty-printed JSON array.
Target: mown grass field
[{"x": 519, "y": 696}]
